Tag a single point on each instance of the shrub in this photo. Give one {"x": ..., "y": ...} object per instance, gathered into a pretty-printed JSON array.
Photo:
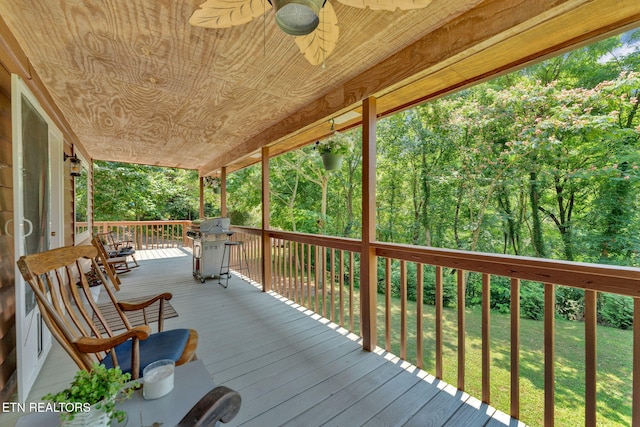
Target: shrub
[
  {"x": 570, "y": 303},
  {"x": 532, "y": 301},
  {"x": 616, "y": 311}
]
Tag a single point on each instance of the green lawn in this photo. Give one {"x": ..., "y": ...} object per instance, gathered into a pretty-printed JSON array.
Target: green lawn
[{"x": 614, "y": 362}]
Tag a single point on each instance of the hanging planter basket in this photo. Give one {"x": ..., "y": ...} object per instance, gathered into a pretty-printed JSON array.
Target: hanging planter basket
[{"x": 332, "y": 161}]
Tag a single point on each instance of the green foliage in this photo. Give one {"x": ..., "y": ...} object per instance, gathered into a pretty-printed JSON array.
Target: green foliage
[
  {"x": 138, "y": 192},
  {"x": 101, "y": 385},
  {"x": 501, "y": 295},
  {"x": 616, "y": 311},
  {"x": 532, "y": 301},
  {"x": 245, "y": 196},
  {"x": 570, "y": 303}
]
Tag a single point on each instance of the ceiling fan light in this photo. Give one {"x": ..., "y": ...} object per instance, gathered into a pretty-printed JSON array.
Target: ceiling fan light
[{"x": 297, "y": 17}]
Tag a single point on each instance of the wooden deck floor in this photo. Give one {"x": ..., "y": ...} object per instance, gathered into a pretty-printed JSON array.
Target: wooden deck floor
[{"x": 290, "y": 366}]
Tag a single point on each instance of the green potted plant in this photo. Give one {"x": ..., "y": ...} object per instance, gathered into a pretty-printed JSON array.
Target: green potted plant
[
  {"x": 214, "y": 183},
  {"x": 333, "y": 150},
  {"x": 91, "y": 398}
]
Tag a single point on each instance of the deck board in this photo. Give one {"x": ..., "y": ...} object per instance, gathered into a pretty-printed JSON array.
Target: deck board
[{"x": 291, "y": 367}]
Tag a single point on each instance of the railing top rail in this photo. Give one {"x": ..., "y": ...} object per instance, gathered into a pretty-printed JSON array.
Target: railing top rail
[
  {"x": 599, "y": 277},
  {"x": 173, "y": 221},
  {"x": 342, "y": 243},
  {"x": 248, "y": 230}
]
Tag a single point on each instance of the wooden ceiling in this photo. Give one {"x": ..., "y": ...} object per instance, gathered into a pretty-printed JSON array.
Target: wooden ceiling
[{"x": 136, "y": 83}]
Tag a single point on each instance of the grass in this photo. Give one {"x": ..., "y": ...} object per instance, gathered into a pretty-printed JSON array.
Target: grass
[{"x": 614, "y": 352}]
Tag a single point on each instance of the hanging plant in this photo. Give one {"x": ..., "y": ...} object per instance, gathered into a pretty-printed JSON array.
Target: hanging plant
[
  {"x": 333, "y": 150},
  {"x": 213, "y": 183}
]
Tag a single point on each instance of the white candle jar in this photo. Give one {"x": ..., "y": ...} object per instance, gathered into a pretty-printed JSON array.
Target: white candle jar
[{"x": 158, "y": 379}]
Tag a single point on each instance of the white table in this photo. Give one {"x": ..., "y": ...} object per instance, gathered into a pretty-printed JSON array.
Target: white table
[{"x": 191, "y": 382}]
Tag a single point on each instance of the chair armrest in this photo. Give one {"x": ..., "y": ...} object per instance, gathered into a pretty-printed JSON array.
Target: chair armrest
[
  {"x": 131, "y": 306},
  {"x": 220, "y": 404},
  {"x": 96, "y": 345}
]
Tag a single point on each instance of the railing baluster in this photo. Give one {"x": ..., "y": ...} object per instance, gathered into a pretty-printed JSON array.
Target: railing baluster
[
  {"x": 285, "y": 268},
  {"x": 419, "y": 309},
  {"x": 275, "y": 265},
  {"x": 590, "y": 321},
  {"x": 635, "y": 411},
  {"x": 515, "y": 348},
  {"x": 351, "y": 291},
  {"x": 341, "y": 286},
  {"x": 301, "y": 273},
  {"x": 308, "y": 275},
  {"x": 323, "y": 283},
  {"x": 387, "y": 304},
  {"x": 295, "y": 272},
  {"x": 255, "y": 275},
  {"x": 403, "y": 309},
  {"x": 317, "y": 277},
  {"x": 486, "y": 334},
  {"x": 439, "y": 310},
  {"x": 300, "y": 268},
  {"x": 461, "y": 328},
  {"x": 282, "y": 263},
  {"x": 549, "y": 353},
  {"x": 332, "y": 287}
]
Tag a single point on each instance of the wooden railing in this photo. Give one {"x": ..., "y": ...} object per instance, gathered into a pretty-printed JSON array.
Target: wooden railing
[
  {"x": 590, "y": 277},
  {"x": 148, "y": 234},
  {"x": 317, "y": 272},
  {"x": 321, "y": 273},
  {"x": 251, "y": 249}
]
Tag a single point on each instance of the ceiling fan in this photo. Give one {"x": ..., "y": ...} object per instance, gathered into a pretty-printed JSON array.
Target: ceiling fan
[{"x": 313, "y": 22}]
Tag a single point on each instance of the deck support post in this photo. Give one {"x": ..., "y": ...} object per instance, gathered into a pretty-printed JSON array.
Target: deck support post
[
  {"x": 368, "y": 268},
  {"x": 223, "y": 191},
  {"x": 266, "y": 214}
]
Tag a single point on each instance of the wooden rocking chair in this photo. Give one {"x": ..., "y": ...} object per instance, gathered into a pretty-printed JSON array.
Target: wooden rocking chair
[
  {"x": 117, "y": 258},
  {"x": 58, "y": 278},
  {"x": 124, "y": 247},
  {"x": 107, "y": 264}
]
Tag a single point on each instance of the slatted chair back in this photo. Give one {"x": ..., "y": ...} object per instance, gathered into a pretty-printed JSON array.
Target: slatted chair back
[
  {"x": 59, "y": 281},
  {"x": 124, "y": 240},
  {"x": 103, "y": 259}
]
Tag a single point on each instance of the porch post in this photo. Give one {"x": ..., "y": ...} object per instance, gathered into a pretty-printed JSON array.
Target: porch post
[
  {"x": 201, "y": 197},
  {"x": 368, "y": 261},
  {"x": 266, "y": 214},
  {"x": 223, "y": 191}
]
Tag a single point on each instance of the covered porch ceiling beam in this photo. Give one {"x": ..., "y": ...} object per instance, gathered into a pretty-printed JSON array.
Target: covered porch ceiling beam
[{"x": 495, "y": 37}]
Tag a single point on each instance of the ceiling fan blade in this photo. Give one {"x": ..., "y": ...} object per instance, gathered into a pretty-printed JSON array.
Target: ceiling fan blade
[
  {"x": 317, "y": 45},
  {"x": 227, "y": 13},
  {"x": 387, "y": 4}
]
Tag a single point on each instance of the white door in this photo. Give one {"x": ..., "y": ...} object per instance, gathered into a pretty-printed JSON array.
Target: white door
[{"x": 37, "y": 163}]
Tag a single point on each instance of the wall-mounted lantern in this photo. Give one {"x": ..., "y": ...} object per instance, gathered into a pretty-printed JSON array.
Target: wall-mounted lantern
[{"x": 75, "y": 164}]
